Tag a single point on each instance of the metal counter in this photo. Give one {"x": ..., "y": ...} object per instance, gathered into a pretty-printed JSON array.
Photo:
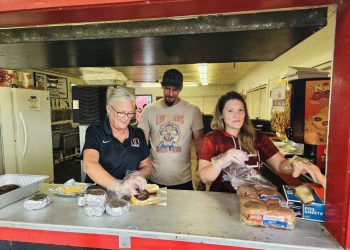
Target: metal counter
[{"x": 190, "y": 216}]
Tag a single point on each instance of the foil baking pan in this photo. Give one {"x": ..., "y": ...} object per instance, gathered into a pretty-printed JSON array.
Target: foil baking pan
[{"x": 29, "y": 184}]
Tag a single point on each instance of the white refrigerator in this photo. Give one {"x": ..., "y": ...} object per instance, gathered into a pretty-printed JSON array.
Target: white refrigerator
[{"x": 25, "y": 132}]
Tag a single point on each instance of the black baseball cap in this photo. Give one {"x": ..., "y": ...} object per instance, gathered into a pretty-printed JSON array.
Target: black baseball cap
[{"x": 172, "y": 77}]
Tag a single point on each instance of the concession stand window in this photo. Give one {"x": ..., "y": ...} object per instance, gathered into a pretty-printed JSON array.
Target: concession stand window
[{"x": 40, "y": 13}]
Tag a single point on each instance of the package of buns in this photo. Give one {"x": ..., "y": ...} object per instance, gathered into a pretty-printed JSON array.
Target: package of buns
[{"x": 264, "y": 206}]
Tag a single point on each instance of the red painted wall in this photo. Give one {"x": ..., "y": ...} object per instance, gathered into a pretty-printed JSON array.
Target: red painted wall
[
  {"x": 338, "y": 185},
  {"x": 39, "y": 12}
]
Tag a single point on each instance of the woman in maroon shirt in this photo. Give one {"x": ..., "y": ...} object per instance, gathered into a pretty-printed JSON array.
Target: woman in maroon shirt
[{"x": 234, "y": 140}]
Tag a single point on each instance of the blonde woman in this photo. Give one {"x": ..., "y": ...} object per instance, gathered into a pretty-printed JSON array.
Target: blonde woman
[{"x": 113, "y": 148}]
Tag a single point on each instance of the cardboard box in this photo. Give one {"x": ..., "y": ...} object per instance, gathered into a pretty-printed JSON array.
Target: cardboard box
[{"x": 315, "y": 211}]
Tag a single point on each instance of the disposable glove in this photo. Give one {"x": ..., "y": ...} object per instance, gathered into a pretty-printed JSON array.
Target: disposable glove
[
  {"x": 302, "y": 166},
  {"x": 230, "y": 156},
  {"x": 131, "y": 185}
]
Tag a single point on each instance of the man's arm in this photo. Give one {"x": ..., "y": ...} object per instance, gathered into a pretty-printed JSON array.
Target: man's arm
[{"x": 146, "y": 135}]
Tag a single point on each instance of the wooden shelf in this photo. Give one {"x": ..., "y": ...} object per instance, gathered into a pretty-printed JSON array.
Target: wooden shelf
[{"x": 61, "y": 122}]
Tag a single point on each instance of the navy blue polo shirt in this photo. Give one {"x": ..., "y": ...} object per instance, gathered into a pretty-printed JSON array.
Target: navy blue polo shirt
[{"x": 116, "y": 158}]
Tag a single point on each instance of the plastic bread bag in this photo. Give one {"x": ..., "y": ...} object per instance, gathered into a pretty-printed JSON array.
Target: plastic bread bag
[
  {"x": 251, "y": 186},
  {"x": 37, "y": 201},
  {"x": 239, "y": 175}
]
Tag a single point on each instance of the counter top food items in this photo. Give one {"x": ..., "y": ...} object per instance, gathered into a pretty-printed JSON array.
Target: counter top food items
[
  {"x": 142, "y": 198},
  {"x": 7, "y": 188},
  {"x": 37, "y": 201},
  {"x": 70, "y": 188},
  {"x": 94, "y": 202},
  {"x": 117, "y": 207},
  {"x": 152, "y": 188},
  {"x": 304, "y": 193},
  {"x": 21, "y": 186},
  {"x": 307, "y": 207},
  {"x": 191, "y": 219},
  {"x": 264, "y": 206}
]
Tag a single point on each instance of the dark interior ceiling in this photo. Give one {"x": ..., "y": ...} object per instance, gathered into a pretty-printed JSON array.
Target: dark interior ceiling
[{"x": 211, "y": 39}]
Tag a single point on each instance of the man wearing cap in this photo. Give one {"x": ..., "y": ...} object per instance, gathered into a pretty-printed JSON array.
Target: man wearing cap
[{"x": 169, "y": 124}]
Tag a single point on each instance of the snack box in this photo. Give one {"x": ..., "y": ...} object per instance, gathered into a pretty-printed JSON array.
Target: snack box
[{"x": 315, "y": 211}]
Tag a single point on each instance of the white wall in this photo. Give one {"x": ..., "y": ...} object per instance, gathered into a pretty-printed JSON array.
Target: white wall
[
  {"x": 205, "y": 97},
  {"x": 315, "y": 51}
]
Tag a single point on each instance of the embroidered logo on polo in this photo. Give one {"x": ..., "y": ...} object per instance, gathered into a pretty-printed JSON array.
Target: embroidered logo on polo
[
  {"x": 135, "y": 142},
  {"x": 103, "y": 141}
]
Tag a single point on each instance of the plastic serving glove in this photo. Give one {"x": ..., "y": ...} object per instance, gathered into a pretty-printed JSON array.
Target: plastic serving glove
[
  {"x": 302, "y": 166},
  {"x": 130, "y": 185},
  {"x": 230, "y": 156}
]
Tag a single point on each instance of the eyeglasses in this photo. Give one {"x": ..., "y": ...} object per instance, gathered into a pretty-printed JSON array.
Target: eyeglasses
[{"x": 123, "y": 114}]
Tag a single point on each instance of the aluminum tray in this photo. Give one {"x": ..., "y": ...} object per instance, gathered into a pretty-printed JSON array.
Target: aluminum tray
[{"x": 29, "y": 184}]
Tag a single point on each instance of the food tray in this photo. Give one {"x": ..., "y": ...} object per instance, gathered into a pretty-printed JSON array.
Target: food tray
[
  {"x": 60, "y": 189},
  {"x": 29, "y": 184}
]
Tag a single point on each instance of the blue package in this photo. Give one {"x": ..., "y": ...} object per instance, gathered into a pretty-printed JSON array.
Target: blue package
[{"x": 314, "y": 211}]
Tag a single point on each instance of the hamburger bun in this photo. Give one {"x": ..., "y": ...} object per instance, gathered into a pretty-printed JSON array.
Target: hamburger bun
[
  {"x": 272, "y": 202},
  {"x": 267, "y": 191},
  {"x": 245, "y": 190},
  {"x": 242, "y": 200},
  {"x": 284, "y": 212},
  {"x": 253, "y": 208},
  {"x": 152, "y": 188},
  {"x": 255, "y": 223}
]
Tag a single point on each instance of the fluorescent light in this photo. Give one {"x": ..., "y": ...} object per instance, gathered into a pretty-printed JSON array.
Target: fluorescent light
[
  {"x": 147, "y": 84},
  {"x": 203, "y": 73},
  {"x": 101, "y": 73},
  {"x": 190, "y": 84},
  {"x": 158, "y": 85}
]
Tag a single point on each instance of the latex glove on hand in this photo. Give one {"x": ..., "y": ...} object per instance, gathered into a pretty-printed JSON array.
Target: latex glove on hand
[
  {"x": 303, "y": 166},
  {"x": 230, "y": 156},
  {"x": 131, "y": 185}
]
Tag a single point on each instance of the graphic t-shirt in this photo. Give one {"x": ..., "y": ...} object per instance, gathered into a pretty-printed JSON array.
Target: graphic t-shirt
[{"x": 170, "y": 131}]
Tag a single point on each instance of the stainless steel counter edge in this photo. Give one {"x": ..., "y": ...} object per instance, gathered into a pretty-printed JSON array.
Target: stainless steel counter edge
[{"x": 216, "y": 222}]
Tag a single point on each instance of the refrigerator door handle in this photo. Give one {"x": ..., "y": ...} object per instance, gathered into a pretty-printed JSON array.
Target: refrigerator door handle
[{"x": 24, "y": 151}]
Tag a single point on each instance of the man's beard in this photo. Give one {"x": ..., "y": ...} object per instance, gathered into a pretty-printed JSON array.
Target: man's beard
[{"x": 169, "y": 103}]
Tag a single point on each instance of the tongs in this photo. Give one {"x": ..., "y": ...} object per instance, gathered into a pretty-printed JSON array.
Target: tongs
[{"x": 309, "y": 179}]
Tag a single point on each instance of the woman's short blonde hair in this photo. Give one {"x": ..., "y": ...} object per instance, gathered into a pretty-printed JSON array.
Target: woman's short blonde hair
[{"x": 118, "y": 94}]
